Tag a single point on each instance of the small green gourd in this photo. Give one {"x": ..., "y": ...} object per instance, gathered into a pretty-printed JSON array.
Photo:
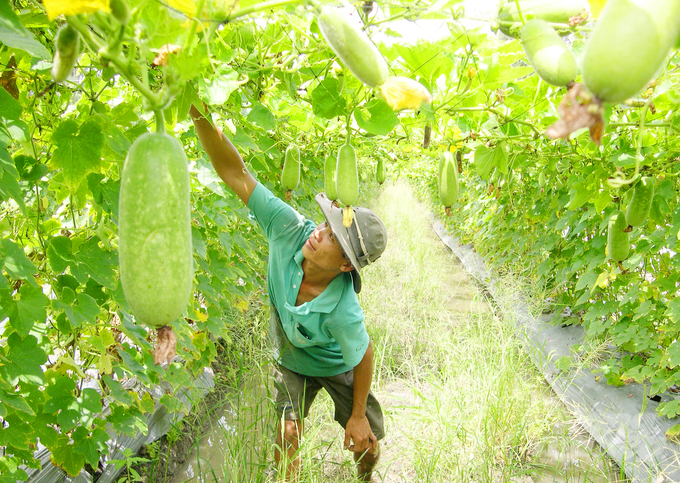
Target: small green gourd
[
  {"x": 347, "y": 176},
  {"x": 618, "y": 241},
  {"x": 640, "y": 203},
  {"x": 380, "y": 171},
  {"x": 329, "y": 178},
  {"x": 448, "y": 181},
  {"x": 290, "y": 176},
  {"x": 67, "y": 43}
]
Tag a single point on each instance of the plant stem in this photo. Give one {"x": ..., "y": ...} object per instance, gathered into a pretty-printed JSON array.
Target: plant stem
[
  {"x": 258, "y": 7},
  {"x": 160, "y": 121},
  {"x": 519, "y": 12},
  {"x": 122, "y": 66}
]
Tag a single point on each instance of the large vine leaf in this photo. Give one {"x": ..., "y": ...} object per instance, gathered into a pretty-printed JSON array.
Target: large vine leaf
[
  {"x": 24, "y": 311},
  {"x": 486, "y": 159},
  {"x": 78, "y": 150},
  {"x": 23, "y": 360},
  {"x": 382, "y": 118},
  {"x": 327, "y": 101}
]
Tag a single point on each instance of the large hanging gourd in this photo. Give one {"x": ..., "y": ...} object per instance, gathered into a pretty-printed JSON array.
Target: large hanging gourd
[
  {"x": 629, "y": 44},
  {"x": 154, "y": 230}
]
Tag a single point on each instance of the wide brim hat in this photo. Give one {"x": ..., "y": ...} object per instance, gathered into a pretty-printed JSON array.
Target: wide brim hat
[{"x": 363, "y": 242}]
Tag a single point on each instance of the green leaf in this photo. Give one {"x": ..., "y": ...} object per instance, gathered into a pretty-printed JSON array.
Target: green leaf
[
  {"x": 670, "y": 409},
  {"x": 261, "y": 116},
  {"x": 8, "y": 18},
  {"x": 29, "y": 169},
  {"x": 244, "y": 141},
  {"x": 127, "y": 420},
  {"x": 104, "y": 193},
  {"x": 78, "y": 150},
  {"x": 24, "y": 361},
  {"x": 24, "y": 312},
  {"x": 16, "y": 401},
  {"x": 327, "y": 102},
  {"x": 674, "y": 354},
  {"x": 184, "y": 101},
  {"x": 68, "y": 419},
  {"x": 116, "y": 390},
  {"x": 382, "y": 118},
  {"x": 96, "y": 262},
  {"x": 91, "y": 445},
  {"x": 10, "y": 109},
  {"x": 486, "y": 159},
  {"x": 216, "y": 90},
  {"x": 15, "y": 433},
  {"x": 84, "y": 312},
  {"x": 25, "y": 41},
  {"x": 60, "y": 393},
  {"x": 497, "y": 76},
  {"x": 9, "y": 177},
  {"x": 15, "y": 262},
  {"x": 586, "y": 280},
  {"x": 66, "y": 457},
  {"x": 579, "y": 195}
]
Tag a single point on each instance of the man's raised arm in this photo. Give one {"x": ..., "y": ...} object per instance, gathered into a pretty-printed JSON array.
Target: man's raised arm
[{"x": 224, "y": 157}]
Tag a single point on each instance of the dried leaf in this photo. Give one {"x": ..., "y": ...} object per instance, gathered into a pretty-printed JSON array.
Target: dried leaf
[
  {"x": 164, "y": 53},
  {"x": 9, "y": 79},
  {"x": 578, "y": 109},
  {"x": 166, "y": 345}
]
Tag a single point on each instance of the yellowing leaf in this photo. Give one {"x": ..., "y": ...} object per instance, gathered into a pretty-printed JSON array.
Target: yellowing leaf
[
  {"x": 200, "y": 316},
  {"x": 602, "y": 281},
  {"x": 404, "y": 93},
  {"x": 104, "y": 365},
  {"x": 242, "y": 305},
  {"x": 74, "y": 7}
]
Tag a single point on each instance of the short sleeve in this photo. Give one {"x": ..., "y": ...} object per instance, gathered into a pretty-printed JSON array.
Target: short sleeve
[
  {"x": 275, "y": 217},
  {"x": 353, "y": 341}
]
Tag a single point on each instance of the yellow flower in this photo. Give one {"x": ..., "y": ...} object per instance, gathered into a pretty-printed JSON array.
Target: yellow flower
[
  {"x": 74, "y": 7},
  {"x": 404, "y": 93},
  {"x": 212, "y": 9},
  {"x": 596, "y": 7}
]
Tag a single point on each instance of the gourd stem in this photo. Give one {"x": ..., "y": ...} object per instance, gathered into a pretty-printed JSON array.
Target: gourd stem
[
  {"x": 519, "y": 12},
  {"x": 160, "y": 121}
]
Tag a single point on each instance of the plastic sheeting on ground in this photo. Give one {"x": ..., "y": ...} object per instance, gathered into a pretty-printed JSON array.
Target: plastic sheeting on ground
[{"x": 622, "y": 420}]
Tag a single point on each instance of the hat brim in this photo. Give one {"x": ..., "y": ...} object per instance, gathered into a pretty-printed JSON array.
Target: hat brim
[{"x": 333, "y": 215}]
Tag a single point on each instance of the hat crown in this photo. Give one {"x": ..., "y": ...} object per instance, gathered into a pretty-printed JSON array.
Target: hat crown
[{"x": 374, "y": 235}]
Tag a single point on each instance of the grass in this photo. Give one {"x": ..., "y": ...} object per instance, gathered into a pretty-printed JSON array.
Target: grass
[{"x": 462, "y": 400}]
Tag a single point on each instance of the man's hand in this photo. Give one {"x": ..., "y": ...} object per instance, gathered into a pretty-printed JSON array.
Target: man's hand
[
  {"x": 358, "y": 435},
  {"x": 165, "y": 345}
]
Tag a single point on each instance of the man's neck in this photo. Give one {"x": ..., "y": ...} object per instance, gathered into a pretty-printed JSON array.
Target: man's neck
[{"x": 317, "y": 277}]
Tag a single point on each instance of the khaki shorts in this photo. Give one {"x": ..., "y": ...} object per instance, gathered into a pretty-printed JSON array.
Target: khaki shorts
[{"x": 295, "y": 394}]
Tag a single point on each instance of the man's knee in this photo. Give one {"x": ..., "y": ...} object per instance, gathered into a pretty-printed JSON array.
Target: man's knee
[{"x": 291, "y": 431}]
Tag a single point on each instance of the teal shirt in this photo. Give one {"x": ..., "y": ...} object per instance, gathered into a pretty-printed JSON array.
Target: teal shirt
[{"x": 325, "y": 336}]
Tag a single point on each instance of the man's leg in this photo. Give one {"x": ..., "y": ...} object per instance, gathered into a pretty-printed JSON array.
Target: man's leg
[
  {"x": 366, "y": 462},
  {"x": 288, "y": 437},
  {"x": 294, "y": 395}
]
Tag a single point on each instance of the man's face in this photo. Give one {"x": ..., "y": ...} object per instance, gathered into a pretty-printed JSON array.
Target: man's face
[{"x": 322, "y": 249}]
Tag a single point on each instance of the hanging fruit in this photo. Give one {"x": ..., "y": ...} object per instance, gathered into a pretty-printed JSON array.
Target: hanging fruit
[
  {"x": 290, "y": 175},
  {"x": 548, "y": 54},
  {"x": 448, "y": 181},
  {"x": 329, "y": 178},
  {"x": 347, "y": 181}
]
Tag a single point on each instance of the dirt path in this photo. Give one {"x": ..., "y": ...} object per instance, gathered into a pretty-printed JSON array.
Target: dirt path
[{"x": 462, "y": 402}]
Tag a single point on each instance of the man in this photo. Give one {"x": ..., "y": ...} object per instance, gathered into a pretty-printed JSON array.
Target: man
[{"x": 318, "y": 329}]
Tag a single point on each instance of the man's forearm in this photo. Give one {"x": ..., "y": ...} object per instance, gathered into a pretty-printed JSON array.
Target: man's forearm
[
  {"x": 223, "y": 155},
  {"x": 363, "y": 376}
]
